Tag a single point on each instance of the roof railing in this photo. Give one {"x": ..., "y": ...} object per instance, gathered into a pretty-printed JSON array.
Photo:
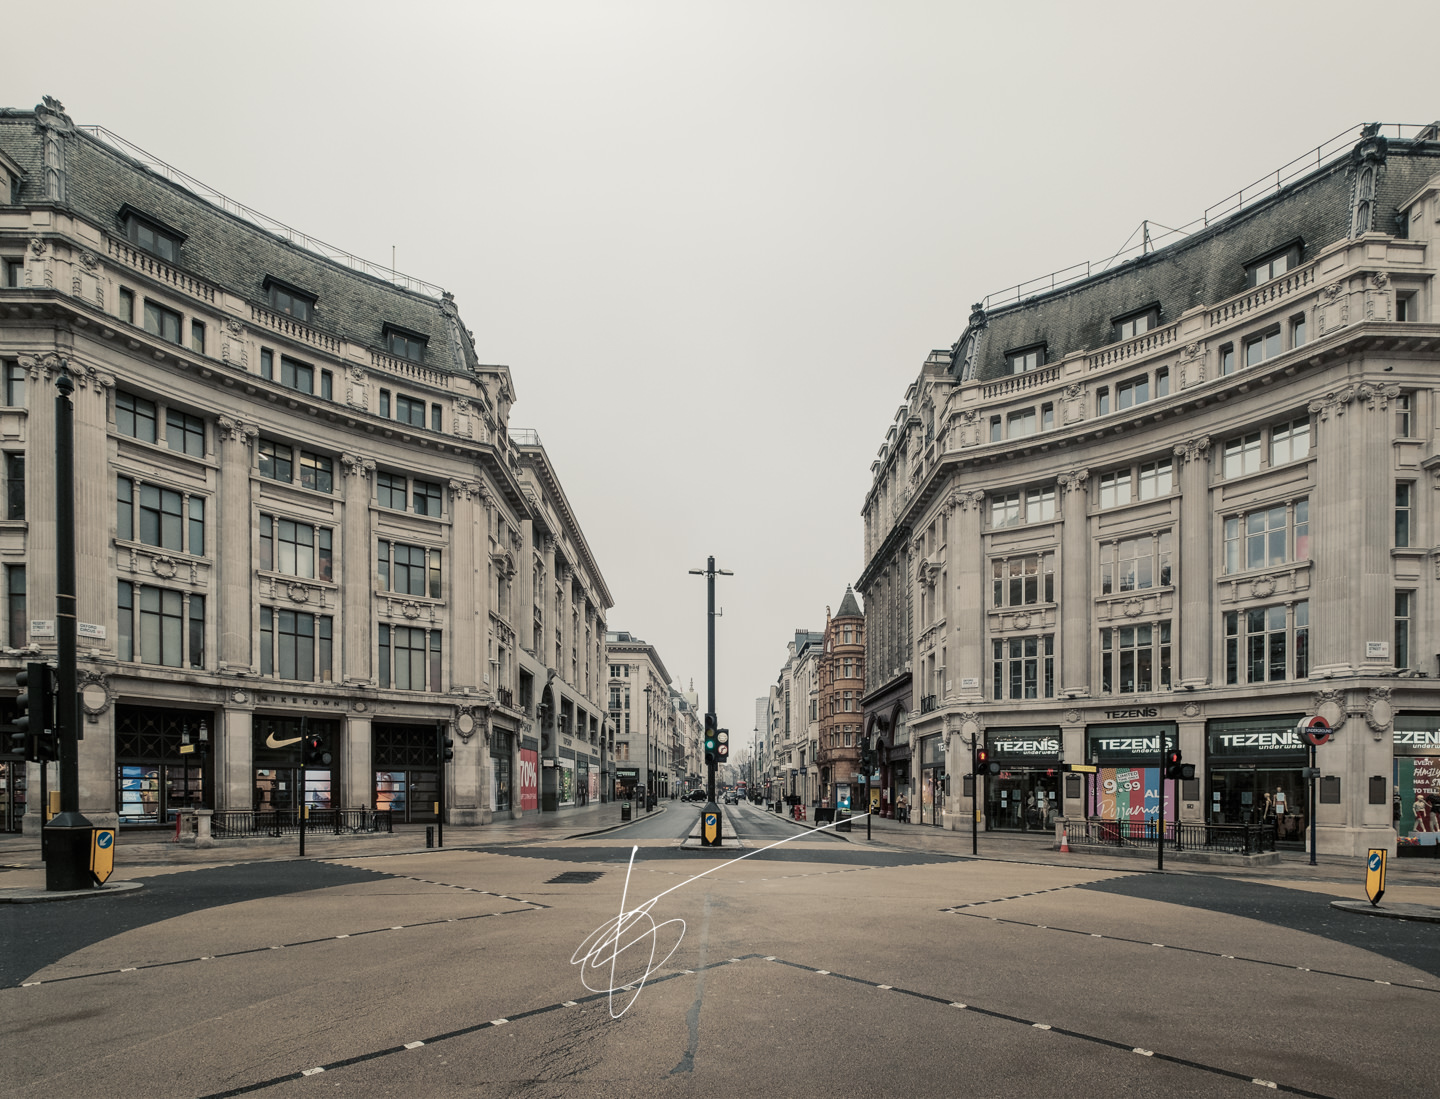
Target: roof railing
[
  {"x": 1325, "y": 153},
  {"x": 261, "y": 221}
]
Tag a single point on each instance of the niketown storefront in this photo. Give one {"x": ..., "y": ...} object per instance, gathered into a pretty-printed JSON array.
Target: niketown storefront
[{"x": 276, "y": 756}]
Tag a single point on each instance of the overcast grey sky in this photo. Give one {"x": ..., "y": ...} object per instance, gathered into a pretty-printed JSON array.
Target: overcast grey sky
[{"x": 715, "y": 241}]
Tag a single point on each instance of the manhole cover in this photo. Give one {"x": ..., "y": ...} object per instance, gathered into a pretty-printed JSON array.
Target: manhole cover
[{"x": 577, "y": 877}]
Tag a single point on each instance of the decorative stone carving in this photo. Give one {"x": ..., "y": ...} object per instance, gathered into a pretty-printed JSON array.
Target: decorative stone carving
[
  {"x": 96, "y": 694},
  {"x": 1264, "y": 587},
  {"x": 89, "y": 260},
  {"x": 1133, "y": 606},
  {"x": 1072, "y": 717},
  {"x": 1192, "y": 450},
  {"x": 410, "y": 609},
  {"x": 298, "y": 593},
  {"x": 1073, "y": 480},
  {"x": 1331, "y": 706},
  {"x": 1379, "y": 712},
  {"x": 1073, "y": 404},
  {"x": 357, "y": 394},
  {"x": 163, "y": 566},
  {"x": 236, "y": 431},
  {"x": 357, "y": 466},
  {"x": 37, "y": 245},
  {"x": 1190, "y": 709},
  {"x": 965, "y": 500}
]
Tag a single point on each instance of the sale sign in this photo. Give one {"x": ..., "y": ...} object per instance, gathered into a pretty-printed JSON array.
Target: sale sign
[{"x": 529, "y": 779}]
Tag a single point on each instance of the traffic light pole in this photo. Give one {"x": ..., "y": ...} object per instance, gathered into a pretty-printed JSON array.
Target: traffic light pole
[
  {"x": 1160, "y": 837},
  {"x": 712, "y": 724}
]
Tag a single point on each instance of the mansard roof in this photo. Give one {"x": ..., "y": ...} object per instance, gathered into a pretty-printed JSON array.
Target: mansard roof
[
  {"x": 223, "y": 248},
  {"x": 1205, "y": 267}
]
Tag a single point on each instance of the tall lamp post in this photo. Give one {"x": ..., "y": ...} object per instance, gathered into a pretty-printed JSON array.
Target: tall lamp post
[{"x": 649, "y": 771}]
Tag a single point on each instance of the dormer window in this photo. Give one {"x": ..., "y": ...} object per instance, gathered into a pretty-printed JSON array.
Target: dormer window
[
  {"x": 1272, "y": 266},
  {"x": 1135, "y": 324},
  {"x": 404, "y": 344},
  {"x": 150, "y": 235},
  {"x": 290, "y": 300},
  {"x": 1024, "y": 359}
]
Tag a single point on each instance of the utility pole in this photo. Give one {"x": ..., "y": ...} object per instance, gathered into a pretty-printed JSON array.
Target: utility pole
[{"x": 711, "y": 811}]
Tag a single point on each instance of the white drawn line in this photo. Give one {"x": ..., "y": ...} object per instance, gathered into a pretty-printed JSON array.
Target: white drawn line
[{"x": 604, "y": 946}]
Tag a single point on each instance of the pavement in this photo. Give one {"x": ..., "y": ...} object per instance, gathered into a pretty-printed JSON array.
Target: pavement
[{"x": 142, "y": 854}]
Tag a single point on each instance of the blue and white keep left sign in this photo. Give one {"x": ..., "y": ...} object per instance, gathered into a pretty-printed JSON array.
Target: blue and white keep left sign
[{"x": 102, "y": 854}]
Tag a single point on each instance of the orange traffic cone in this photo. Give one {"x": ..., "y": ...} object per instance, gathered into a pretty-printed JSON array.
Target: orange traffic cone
[{"x": 1065, "y": 841}]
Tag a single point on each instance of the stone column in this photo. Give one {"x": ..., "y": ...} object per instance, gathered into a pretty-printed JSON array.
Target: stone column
[
  {"x": 524, "y": 612},
  {"x": 357, "y": 781},
  {"x": 234, "y": 759},
  {"x": 1074, "y": 576},
  {"x": 965, "y": 622},
  {"x": 354, "y": 573},
  {"x": 466, "y": 606},
  {"x": 232, "y": 533},
  {"x": 1197, "y": 628}
]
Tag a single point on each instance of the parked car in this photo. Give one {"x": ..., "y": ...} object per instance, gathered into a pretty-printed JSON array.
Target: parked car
[{"x": 696, "y": 795}]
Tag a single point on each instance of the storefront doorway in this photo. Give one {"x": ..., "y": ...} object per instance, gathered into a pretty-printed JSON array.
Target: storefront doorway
[
  {"x": 1025, "y": 795},
  {"x": 1256, "y": 776},
  {"x": 154, "y": 780},
  {"x": 277, "y": 748},
  {"x": 406, "y": 766},
  {"x": 12, "y": 794}
]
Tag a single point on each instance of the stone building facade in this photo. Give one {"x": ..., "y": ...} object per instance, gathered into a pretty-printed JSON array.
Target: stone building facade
[
  {"x": 300, "y": 510},
  {"x": 1185, "y": 500},
  {"x": 644, "y": 718}
]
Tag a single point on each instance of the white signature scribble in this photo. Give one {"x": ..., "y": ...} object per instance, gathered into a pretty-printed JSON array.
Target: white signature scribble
[{"x": 599, "y": 954}]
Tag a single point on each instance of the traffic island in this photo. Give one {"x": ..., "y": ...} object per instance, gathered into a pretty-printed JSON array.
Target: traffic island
[
  {"x": 22, "y": 895},
  {"x": 1416, "y": 913}
]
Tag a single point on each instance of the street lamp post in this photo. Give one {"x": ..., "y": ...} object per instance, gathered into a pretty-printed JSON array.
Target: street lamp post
[{"x": 649, "y": 772}]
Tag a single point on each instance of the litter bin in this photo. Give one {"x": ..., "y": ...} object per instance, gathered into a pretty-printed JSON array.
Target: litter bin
[
  {"x": 429, "y": 835},
  {"x": 843, "y": 823},
  {"x": 624, "y": 810}
]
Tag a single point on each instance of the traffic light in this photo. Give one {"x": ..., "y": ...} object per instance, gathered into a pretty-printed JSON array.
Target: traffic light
[
  {"x": 1175, "y": 768},
  {"x": 447, "y": 748},
  {"x": 710, "y": 744},
  {"x": 722, "y": 745},
  {"x": 35, "y": 717},
  {"x": 316, "y": 754},
  {"x": 984, "y": 765}
]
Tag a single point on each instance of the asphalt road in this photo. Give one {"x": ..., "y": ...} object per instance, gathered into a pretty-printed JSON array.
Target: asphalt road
[{"x": 812, "y": 968}]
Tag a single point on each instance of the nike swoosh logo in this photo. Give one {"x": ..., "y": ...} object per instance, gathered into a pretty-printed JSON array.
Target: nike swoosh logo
[{"x": 273, "y": 743}]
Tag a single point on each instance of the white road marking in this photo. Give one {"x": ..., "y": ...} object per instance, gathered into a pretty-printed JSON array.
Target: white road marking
[
  {"x": 312, "y": 1071},
  {"x": 413, "y": 1045}
]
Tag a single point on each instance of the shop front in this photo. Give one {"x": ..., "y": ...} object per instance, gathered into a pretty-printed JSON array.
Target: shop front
[
  {"x": 154, "y": 780},
  {"x": 1025, "y": 795},
  {"x": 12, "y": 773},
  {"x": 502, "y": 744},
  {"x": 1126, "y": 783},
  {"x": 627, "y": 781},
  {"x": 1417, "y": 784},
  {"x": 1256, "y": 775},
  {"x": 529, "y": 766},
  {"x": 277, "y": 748},
  {"x": 932, "y": 782},
  {"x": 405, "y": 761}
]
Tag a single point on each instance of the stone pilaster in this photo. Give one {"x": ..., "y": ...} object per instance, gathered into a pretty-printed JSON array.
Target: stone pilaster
[
  {"x": 1074, "y": 576},
  {"x": 965, "y": 621},
  {"x": 234, "y": 763},
  {"x": 354, "y": 572},
  {"x": 1195, "y": 569},
  {"x": 466, "y": 606},
  {"x": 357, "y": 783},
  {"x": 232, "y": 529}
]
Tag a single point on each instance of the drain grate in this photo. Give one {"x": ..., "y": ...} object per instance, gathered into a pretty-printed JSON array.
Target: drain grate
[{"x": 577, "y": 877}]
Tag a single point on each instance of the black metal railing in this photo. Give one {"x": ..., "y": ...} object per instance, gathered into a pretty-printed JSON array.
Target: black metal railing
[
  {"x": 506, "y": 696},
  {"x": 927, "y": 704},
  {"x": 240, "y": 823},
  {"x": 1235, "y": 839}
]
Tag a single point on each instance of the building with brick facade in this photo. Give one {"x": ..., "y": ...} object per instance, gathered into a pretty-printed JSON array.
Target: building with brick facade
[
  {"x": 1184, "y": 499},
  {"x": 842, "y": 689}
]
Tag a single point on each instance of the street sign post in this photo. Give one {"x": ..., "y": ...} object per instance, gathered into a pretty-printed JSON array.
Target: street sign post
[
  {"x": 1314, "y": 731},
  {"x": 102, "y": 854},
  {"x": 1375, "y": 875}
]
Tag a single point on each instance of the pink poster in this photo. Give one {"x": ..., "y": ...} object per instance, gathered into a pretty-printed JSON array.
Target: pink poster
[{"x": 529, "y": 779}]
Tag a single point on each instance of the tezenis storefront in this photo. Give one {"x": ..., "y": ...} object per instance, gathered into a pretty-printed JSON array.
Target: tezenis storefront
[
  {"x": 1025, "y": 795},
  {"x": 1256, "y": 774},
  {"x": 1126, "y": 785}
]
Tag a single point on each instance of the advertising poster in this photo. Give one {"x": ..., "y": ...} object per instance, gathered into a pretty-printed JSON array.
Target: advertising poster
[
  {"x": 529, "y": 779},
  {"x": 594, "y": 788},
  {"x": 567, "y": 782},
  {"x": 1131, "y": 793},
  {"x": 1417, "y": 788}
]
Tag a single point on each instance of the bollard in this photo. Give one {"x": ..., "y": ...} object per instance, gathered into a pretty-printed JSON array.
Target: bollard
[{"x": 429, "y": 835}]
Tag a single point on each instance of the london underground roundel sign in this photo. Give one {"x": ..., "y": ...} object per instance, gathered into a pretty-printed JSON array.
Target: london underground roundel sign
[{"x": 1314, "y": 730}]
